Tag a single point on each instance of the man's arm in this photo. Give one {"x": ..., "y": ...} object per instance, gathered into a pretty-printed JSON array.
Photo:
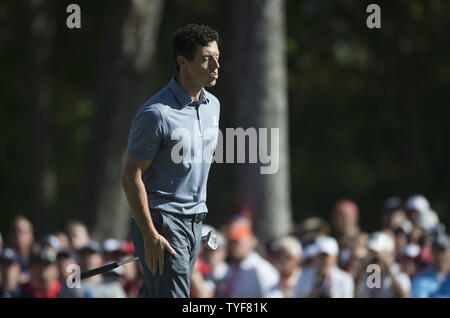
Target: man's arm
[{"x": 134, "y": 188}]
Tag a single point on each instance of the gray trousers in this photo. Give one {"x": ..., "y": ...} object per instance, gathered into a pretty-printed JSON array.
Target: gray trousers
[{"x": 184, "y": 235}]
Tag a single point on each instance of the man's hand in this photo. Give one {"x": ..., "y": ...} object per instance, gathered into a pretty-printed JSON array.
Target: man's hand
[{"x": 154, "y": 253}]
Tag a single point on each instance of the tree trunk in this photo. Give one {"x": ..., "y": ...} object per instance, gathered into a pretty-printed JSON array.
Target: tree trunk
[
  {"x": 128, "y": 41},
  {"x": 261, "y": 102},
  {"x": 43, "y": 188}
]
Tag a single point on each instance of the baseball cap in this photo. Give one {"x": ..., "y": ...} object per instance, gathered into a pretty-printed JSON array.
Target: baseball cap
[
  {"x": 380, "y": 242},
  {"x": 428, "y": 220},
  {"x": 92, "y": 247},
  {"x": 8, "y": 256},
  {"x": 239, "y": 231},
  {"x": 290, "y": 243},
  {"x": 410, "y": 250},
  {"x": 392, "y": 204},
  {"x": 326, "y": 245},
  {"x": 111, "y": 245},
  {"x": 128, "y": 248},
  {"x": 311, "y": 224},
  {"x": 50, "y": 240},
  {"x": 406, "y": 226},
  {"x": 418, "y": 203}
]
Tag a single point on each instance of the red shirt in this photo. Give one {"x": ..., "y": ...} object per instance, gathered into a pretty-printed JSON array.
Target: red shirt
[{"x": 53, "y": 291}]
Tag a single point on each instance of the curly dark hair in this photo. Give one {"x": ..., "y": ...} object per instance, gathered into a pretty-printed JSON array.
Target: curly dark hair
[{"x": 187, "y": 39}]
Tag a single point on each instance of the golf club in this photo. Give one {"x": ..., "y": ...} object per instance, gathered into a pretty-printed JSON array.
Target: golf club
[{"x": 210, "y": 241}]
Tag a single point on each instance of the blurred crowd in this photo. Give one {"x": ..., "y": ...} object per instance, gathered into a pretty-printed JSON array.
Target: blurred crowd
[{"x": 409, "y": 256}]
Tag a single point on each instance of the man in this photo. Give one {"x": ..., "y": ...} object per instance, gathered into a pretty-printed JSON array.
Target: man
[
  {"x": 78, "y": 235},
  {"x": 10, "y": 273},
  {"x": 286, "y": 254},
  {"x": 22, "y": 239},
  {"x": 248, "y": 275},
  {"x": 428, "y": 282},
  {"x": 324, "y": 279},
  {"x": 44, "y": 276},
  {"x": 345, "y": 216},
  {"x": 393, "y": 282},
  {"x": 172, "y": 140}
]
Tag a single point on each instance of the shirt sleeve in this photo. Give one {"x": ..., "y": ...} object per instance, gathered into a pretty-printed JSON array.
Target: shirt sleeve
[{"x": 146, "y": 134}]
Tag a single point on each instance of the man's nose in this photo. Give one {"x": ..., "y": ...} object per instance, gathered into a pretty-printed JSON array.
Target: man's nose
[{"x": 216, "y": 63}]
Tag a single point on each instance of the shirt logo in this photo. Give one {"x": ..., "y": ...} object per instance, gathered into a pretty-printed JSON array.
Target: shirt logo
[{"x": 215, "y": 123}]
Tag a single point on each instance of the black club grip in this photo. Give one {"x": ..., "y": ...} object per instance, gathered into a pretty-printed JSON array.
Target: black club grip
[{"x": 99, "y": 270}]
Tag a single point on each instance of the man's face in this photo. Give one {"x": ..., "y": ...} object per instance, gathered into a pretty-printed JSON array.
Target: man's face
[
  {"x": 285, "y": 262},
  {"x": 324, "y": 263},
  {"x": 78, "y": 236},
  {"x": 203, "y": 70},
  {"x": 344, "y": 220},
  {"x": 23, "y": 233},
  {"x": 240, "y": 249}
]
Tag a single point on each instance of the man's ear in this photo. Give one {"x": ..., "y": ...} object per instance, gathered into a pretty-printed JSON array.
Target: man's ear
[{"x": 181, "y": 61}]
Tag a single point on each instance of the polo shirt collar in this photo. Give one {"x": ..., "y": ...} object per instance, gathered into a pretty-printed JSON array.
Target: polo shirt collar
[{"x": 181, "y": 96}]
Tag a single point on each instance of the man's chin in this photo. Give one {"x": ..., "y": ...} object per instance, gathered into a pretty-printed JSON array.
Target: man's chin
[{"x": 211, "y": 83}]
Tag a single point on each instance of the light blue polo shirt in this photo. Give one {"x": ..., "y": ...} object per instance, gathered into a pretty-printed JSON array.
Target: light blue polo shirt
[{"x": 179, "y": 136}]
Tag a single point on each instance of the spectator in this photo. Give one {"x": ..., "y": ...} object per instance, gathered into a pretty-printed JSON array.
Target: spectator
[
  {"x": 324, "y": 279},
  {"x": 393, "y": 282},
  {"x": 50, "y": 243},
  {"x": 10, "y": 273},
  {"x": 44, "y": 276},
  {"x": 345, "y": 216},
  {"x": 429, "y": 281},
  {"x": 22, "y": 239},
  {"x": 401, "y": 233},
  {"x": 351, "y": 259},
  {"x": 78, "y": 235},
  {"x": 63, "y": 240},
  {"x": 96, "y": 286},
  {"x": 131, "y": 275},
  {"x": 393, "y": 213},
  {"x": 308, "y": 256},
  {"x": 416, "y": 205},
  {"x": 287, "y": 253},
  {"x": 111, "y": 250},
  {"x": 444, "y": 290},
  {"x": 249, "y": 275},
  {"x": 408, "y": 259},
  {"x": 63, "y": 259},
  {"x": 312, "y": 228}
]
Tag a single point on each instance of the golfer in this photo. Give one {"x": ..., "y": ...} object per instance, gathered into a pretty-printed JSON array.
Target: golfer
[{"x": 167, "y": 196}]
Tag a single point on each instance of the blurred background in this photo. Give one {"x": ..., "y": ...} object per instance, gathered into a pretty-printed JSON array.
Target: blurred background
[{"x": 363, "y": 113}]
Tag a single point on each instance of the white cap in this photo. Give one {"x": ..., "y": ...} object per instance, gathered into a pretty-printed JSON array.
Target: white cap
[
  {"x": 406, "y": 226},
  {"x": 290, "y": 243},
  {"x": 410, "y": 250},
  {"x": 111, "y": 245},
  {"x": 309, "y": 252},
  {"x": 380, "y": 242},
  {"x": 327, "y": 245},
  {"x": 428, "y": 220},
  {"x": 51, "y": 240},
  {"x": 418, "y": 203}
]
